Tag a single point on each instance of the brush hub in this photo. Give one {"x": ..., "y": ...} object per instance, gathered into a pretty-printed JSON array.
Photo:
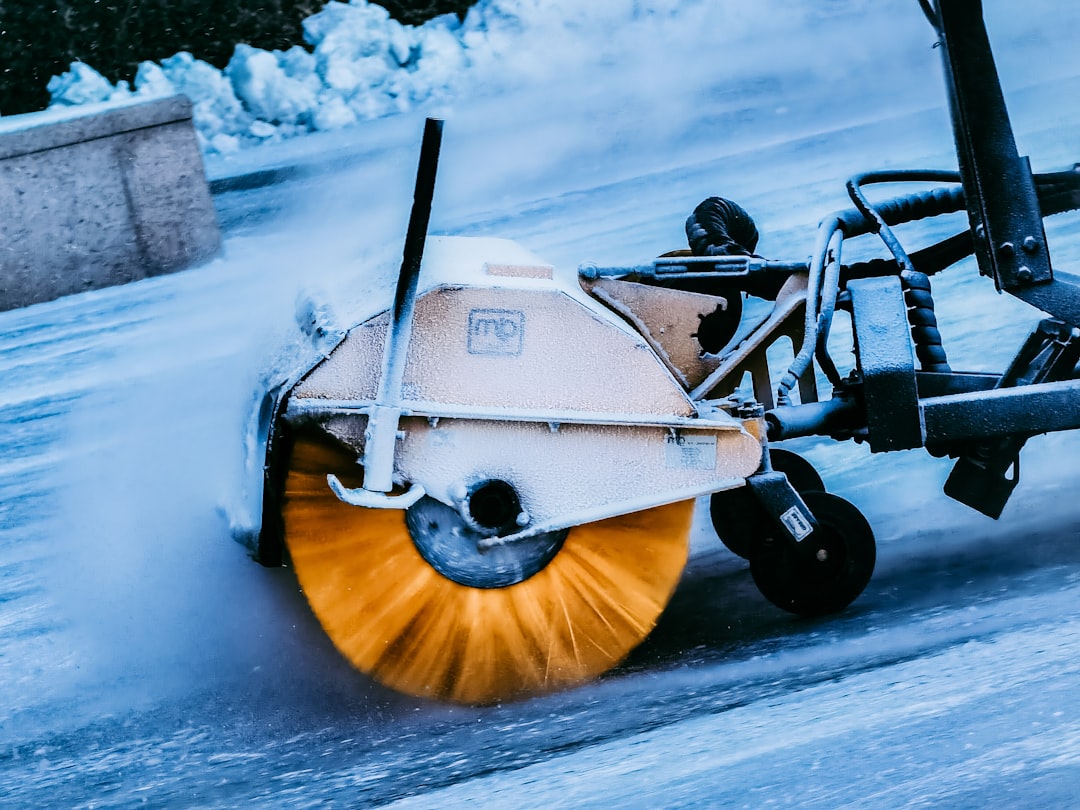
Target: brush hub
[{"x": 449, "y": 539}]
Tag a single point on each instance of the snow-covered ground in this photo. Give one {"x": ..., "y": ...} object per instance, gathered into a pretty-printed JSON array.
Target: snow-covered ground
[{"x": 144, "y": 658}]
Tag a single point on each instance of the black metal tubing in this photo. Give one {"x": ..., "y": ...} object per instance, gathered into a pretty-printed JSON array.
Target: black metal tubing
[
  {"x": 1057, "y": 192},
  {"x": 935, "y": 384},
  {"x": 382, "y": 427},
  {"x": 987, "y": 470},
  {"x": 844, "y": 414},
  {"x": 416, "y": 236},
  {"x": 831, "y": 417},
  {"x": 1024, "y": 410},
  {"x": 975, "y": 414}
]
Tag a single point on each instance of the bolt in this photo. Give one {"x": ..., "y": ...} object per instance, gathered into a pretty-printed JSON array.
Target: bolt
[
  {"x": 980, "y": 232},
  {"x": 1031, "y": 245},
  {"x": 822, "y": 555},
  {"x": 750, "y": 410},
  {"x": 1007, "y": 249},
  {"x": 1025, "y": 274},
  {"x": 523, "y": 518}
]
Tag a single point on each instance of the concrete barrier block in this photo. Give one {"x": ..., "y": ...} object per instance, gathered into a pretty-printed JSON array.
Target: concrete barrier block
[{"x": 97, "y": 196}]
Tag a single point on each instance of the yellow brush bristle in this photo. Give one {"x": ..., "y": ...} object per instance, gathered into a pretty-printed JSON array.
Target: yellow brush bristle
[{"x": 394, "y": 617}]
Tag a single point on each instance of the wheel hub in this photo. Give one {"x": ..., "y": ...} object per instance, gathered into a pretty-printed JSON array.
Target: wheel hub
[
  {"x": 826, "y": 565},
  {"x": 448, "y": 539},
  {"x": 493, "y": 508}
]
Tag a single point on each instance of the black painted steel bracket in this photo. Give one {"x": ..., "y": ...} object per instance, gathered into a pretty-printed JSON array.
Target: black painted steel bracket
[
  {"x": 1060, "y": 297},
  {"x": 1003, "y": 207},
  {"x": 783, "y": 505},
  {"x": 988, "y": 469},
  {"x": 886, "y": 363},
  {"x": 999, "y": 188}
]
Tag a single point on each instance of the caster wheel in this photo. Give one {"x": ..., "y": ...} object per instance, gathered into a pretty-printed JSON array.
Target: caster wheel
[
  {"x": 799, "y": 471},
  {"x": 738, "y": 518},
  {"x": 831, "y": 568}
]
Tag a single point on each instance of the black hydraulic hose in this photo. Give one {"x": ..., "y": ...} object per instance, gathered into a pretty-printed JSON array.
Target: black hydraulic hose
[
  {"x": 1058, "y": 192},
  {"x": 899, "y": 210},
  {"x": 930, "y": 260},
  {"x": 823, "y": 281},
  {"x": 720, "y": 227},
  {"x": 923, "y": 321},
  {"x": 830, "y": 286},
  {"x": 913, "y": 206}
]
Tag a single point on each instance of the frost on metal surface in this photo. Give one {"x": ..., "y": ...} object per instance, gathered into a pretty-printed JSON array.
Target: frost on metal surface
[
  {"x": 516, "y": 376},
  {"x": 504, "y": 343}
]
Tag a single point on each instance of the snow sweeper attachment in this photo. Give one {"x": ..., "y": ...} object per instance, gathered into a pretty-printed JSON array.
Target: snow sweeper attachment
[{"x": 486, "y": 490}]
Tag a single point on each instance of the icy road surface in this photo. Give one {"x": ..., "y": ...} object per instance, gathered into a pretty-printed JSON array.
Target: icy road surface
[{"x": 145, "y": 660}]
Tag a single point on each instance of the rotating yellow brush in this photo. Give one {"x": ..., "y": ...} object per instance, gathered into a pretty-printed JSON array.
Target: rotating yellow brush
[{"x": 397, "y": 618}]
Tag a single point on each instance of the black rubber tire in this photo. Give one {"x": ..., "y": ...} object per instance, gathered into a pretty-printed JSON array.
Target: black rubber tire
[
  {"x": 799, "y": 471},
  {"x": 739, "y": 520},
  {"x": 737, "y": 517},
  {"x": 828, "y": 571}
]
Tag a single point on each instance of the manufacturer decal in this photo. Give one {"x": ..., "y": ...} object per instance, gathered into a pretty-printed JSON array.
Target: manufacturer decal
[
  {"x": 496, "y": 331},
  {"x": 797, "y": 524},
  {"x": 690, "y": 452}
]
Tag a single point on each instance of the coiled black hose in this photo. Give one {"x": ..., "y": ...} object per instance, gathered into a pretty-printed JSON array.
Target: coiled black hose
[
  {"x": 924, "y": 327},
  {"x": 720, "y": 227}
]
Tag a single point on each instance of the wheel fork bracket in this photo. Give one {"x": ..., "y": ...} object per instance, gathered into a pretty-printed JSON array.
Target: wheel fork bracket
[{"x": 783, "y": 505}]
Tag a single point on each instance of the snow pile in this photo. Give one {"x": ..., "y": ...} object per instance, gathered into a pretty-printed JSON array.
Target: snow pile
[{"x": 362, "y": 64}]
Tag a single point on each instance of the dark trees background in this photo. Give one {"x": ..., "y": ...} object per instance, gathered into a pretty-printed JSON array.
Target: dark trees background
[{"x": 40, "y": 38}]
